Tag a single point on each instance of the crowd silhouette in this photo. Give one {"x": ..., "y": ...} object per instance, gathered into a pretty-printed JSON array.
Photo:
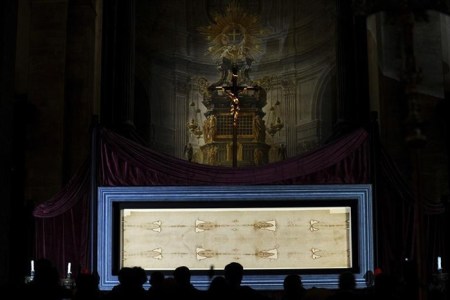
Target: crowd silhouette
[{"x": 47, "y": 284}]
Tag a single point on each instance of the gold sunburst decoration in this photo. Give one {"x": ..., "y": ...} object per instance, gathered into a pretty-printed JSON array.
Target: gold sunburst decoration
[{"x": 234, "y": 35}]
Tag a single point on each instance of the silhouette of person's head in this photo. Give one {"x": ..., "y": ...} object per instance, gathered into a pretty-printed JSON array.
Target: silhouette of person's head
[
  {"x": 234, "y": 273},
  {"x": 125, "y": 276},
  {"x": 86, "y": 286},
  {"x": 140, "y": 276},
  {"x": 218, "y": 288},
  {"x": 218, "y": 283},
  {"x": 46, "y": 283},
  {"x": 132, "y": 277},
  {"x": 292, "y": 284},
  {"x": 46, "y": 273},
  {"x": 182, "y": 275}
]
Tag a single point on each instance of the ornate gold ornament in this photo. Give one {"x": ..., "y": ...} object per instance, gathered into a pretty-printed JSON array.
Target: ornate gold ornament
[{"x": 235, "y": 35}]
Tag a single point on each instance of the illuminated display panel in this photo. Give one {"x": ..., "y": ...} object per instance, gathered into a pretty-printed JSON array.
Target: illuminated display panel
[
  {"x": 316, "y": 231},
  {"x": 258, "y": 238}
]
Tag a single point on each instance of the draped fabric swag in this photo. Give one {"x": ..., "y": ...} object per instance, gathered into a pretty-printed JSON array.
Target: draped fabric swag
[{"x": 62, "y": 223}]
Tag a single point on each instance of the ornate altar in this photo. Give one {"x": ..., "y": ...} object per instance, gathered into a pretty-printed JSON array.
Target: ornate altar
[
  {"x": 251, "y": 148},
  {"x": 234, "y": 129}
]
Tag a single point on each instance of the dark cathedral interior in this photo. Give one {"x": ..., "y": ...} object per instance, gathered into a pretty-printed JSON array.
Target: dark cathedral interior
[{"x": 262, "y": 98}]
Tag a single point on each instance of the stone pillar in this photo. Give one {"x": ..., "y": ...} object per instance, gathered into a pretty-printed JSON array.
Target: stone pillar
[
  {"x": 125, "y": 61},
  {"x": 119, "y": 60},
  {"x": 46, "y": 98},
  {"x": 290, "y": 108},
  {"x": 344, "y": 58},
  {"x": 351, "y": 59},
  {"x": 181, "y": 108},
  {"x": 12, "y": 248}
]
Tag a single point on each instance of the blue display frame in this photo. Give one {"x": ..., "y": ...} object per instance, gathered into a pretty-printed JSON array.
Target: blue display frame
[{"x": 362, "y": 219}]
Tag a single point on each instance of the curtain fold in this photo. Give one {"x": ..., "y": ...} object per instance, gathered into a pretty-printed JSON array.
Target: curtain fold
[
  {"x": 62, "y": 223},
  {"x": 127, "y": 163},
  {"x": 397, "y": 211},
  {"x": 67, "y": 197}
]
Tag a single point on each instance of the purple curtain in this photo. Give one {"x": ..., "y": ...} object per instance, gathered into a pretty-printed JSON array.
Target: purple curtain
[
  {"x": 402, "y": 218},
  {"x": 125, "y": 163},
  {"x": 61, "y": 227},
  {"x": 62, "y": 223}
]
